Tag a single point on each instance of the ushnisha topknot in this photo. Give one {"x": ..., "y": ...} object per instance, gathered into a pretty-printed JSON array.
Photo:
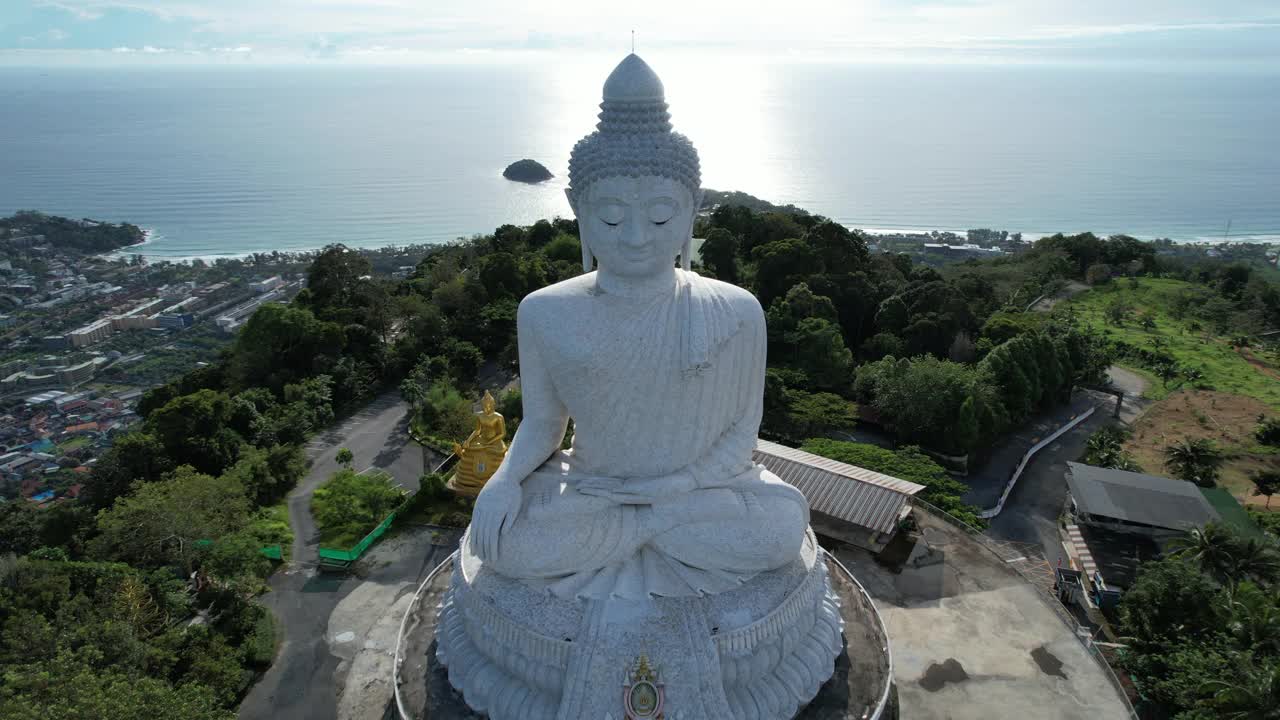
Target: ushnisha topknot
[{"x": 634, "y": 136}]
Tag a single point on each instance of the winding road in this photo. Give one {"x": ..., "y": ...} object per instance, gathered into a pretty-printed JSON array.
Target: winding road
[{"x": 302, "y": 682}]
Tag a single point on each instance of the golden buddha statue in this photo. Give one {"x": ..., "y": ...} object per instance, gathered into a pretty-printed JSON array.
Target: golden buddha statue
[{"x": 482, "y": 452}]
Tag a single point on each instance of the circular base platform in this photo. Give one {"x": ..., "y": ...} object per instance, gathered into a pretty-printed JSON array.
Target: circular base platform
[{"x": 860, "y": 688}]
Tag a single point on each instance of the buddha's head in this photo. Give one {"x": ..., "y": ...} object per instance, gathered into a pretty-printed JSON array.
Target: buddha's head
[
  {"x": 634, "y": 185},
  {"x": 488, "y": 403}
]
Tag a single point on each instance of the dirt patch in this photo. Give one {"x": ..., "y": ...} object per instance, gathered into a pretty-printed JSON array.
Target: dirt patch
[
  {"x": 937, "y": 675},
  {"x": 1226, "y": 419},
  {"x": 1048, "y": 663},
  {"x": 1257, "y": 362}
]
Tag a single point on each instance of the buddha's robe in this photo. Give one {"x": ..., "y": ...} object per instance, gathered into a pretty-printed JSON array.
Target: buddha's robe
[{"x": 670, "y": 386}]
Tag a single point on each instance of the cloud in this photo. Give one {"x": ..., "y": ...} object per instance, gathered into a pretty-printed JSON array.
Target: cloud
[{"x": 337, "y": 29}]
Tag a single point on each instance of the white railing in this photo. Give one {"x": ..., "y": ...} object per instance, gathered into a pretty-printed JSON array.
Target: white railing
[{"x": 1026, "y": 458}]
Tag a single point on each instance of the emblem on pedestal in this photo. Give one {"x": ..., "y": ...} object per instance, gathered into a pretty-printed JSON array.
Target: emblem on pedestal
[{"x": 642, "y": 693}]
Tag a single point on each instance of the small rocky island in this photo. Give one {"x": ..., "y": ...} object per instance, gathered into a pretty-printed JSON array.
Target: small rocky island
[{"x": 527, "y": 171}]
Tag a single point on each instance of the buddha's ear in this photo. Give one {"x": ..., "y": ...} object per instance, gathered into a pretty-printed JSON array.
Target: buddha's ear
[{"x": 568, "y": 193}]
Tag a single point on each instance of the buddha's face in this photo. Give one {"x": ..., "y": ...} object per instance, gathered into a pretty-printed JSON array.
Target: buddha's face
[{"x": 635, "y": 226}]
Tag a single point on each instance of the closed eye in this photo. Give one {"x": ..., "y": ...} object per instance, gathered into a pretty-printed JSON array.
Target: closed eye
[
  {"x": 606, "y": 222},
  {"x": 655, "y": 222}
]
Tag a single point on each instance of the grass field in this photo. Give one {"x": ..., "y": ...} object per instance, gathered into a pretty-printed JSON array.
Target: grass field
[
  {"x": 1225, "y": 369},
  {"x": 1226, "y": 419},
  {"x": 1238, "y": 385},
  {"x": 74, "y": 443}
]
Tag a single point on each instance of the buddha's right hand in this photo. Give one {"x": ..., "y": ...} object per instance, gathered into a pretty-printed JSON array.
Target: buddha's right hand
[{"x": 496, "y": 509}]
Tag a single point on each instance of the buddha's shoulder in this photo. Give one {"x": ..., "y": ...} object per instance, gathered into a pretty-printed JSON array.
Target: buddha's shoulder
[
  {"x": 558, "y": 297},
  {"x": 740, "y": 301},
  {"x": 736, "y": 296}
]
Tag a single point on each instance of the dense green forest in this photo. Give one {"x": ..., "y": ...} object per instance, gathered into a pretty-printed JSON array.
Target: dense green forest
[
  {"x": 97, "y": 596},
  {"x": 1202, "y": 629}
]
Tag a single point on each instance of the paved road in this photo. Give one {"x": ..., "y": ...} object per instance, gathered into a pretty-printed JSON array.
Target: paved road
[
  {"x": 988, "y": 481},
  {"x": 1031, "y": 515},
  {"x": 301, "y": 683}
]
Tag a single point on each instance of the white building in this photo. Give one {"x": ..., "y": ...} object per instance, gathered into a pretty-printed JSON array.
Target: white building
[{"x": 271, "y": 283}]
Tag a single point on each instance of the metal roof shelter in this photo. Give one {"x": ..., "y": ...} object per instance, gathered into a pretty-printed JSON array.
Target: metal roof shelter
[
  {"x": 845, "y": 492},
  {"x": 1139, "y": 499}
]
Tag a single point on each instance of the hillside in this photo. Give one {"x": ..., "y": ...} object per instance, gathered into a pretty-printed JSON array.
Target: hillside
[
  {"x": 24, "y": 227},
  {"x": 1180, "y": 320}
]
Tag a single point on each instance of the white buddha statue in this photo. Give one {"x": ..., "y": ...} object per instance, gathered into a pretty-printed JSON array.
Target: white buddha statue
[
  {"x": 662, "y": 372},
  {"x": 662, "y": 544}
]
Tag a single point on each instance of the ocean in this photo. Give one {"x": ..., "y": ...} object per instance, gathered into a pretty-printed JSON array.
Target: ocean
[{"x": 224, "y": 161}]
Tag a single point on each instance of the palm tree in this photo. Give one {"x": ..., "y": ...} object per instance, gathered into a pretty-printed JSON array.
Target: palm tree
[
  {"x": 1195, "y": 461},
  {"x": 1213, "y": 547},
  {"x": 1256, "y": 696},
  {"x": 1167, "y": 372},
  {"x": 1255, "y": 560},
  {"x": 1253, "y": 620},
  {"x": 1266, "y": 483}
]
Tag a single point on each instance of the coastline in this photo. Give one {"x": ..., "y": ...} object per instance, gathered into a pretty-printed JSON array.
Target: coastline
[{"x": 153, "y": 237}]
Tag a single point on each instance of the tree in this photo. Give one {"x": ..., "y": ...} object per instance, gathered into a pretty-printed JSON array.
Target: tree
[
  {"x": 1117, "y": 311},
  {"x": 1167, "y": 372},
  {"x": 1105, "y": 448},
  {"x": 839, "y": 249},
  {"x": 1194, "y": 460},
  {"x": 344, "y": 457},
  {"x": 1253, "y": 618},
  {"x": 195, "y": 430},
  {"x": 810, "y": 415},
  {"x": 134, "y": 458},
  {"x": 267, "y": 474},
  {"x": 445, "y": 413},
  {"x": 161, "y": 522},
  {"x": 1213, "y": 547},
  {"x": 1098, "y": 274},
  {"x": 334, "y": 278},
  {"x": 1266, "y": 483},
  {"x": 350, "y": 505},
  {"x": 921, "y": 398},
  {"x": 781, "y": 264},
  {"x": 967, "y": 428},
  {"x": 1255, "y": 696},
  {"x": 68, "y": 688},
  {"x": 282, "y": 344},
  {"x": 1268, "y": 431},
  {"x": 719, "y": 253},
  {"x": 1170, "y": 601}
]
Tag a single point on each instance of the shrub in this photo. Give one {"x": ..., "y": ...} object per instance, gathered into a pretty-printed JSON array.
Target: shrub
[
  {"x": 906, "y": 463},
  {"x": 350, "y": 505}
]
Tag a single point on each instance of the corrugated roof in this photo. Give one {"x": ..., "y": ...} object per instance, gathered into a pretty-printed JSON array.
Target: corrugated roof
[
  {"x": 1231, "y": 512},
  {"x": 1135, "y": 497},
  {"x": 846, "y": 492}
]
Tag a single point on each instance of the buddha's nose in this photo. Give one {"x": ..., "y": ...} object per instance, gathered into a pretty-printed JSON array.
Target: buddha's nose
[{"x": 633, "y": 235}]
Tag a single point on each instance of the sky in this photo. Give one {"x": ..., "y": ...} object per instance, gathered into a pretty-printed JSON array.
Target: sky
[{"x": 156, "y": 32}]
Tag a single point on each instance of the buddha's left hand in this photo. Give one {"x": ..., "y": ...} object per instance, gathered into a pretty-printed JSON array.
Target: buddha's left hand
[{"x": 638, "y": 490}]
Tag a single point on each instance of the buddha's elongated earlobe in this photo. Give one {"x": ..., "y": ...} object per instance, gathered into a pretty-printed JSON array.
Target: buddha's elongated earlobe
[
  {"x": 588, "y": 262},
  {"x": 686, "y": 262}
]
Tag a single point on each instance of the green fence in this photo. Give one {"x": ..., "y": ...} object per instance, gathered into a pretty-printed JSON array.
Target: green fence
[{"x": 340, "y": 559}]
